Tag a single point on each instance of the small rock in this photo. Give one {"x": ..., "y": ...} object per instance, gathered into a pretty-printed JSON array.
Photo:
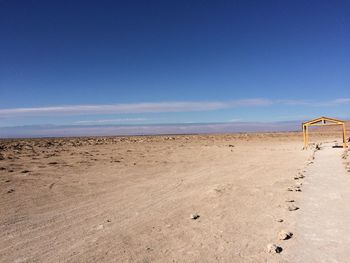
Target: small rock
[
  {"x": 280, "y": 220},
  {"x": 25, "y": 171},
  {"x": 299, "y": 176},
  {"x": 292, "y": 208},
  {"x": 231, "y": 145},
  {"x": 10, "y": 191},
  {"x": 273, "y": 248},
  {"x": 284, "y": 235},
  {"x": 99, "y": 227},
  {"x": 194, "y": 216},
  {"x": 290, "y": 201},
  {"x": 294, "y": 189}
]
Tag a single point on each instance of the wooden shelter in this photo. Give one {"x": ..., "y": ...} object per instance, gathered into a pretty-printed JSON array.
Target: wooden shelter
[{"x": 321, "y": 122}]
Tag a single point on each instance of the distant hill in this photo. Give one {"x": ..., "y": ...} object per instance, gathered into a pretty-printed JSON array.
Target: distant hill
[{"x": 155, "y": 129}]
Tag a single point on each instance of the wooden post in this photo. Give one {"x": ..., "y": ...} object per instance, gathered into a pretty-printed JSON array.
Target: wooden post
[
  {"x": 304, "y": 136},
  {"x": 344, "y": 136}
]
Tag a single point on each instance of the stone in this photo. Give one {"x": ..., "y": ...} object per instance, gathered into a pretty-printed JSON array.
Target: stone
[
  {"x": 294, "y": 188},
  {"x": 292, "y": 208},
  {"x": 284, "y": 235},
  {"x": 273, "y": 248},
  {"x": 299, "y": 176},
  {"x": 194, "y": 216},
  {"x": 99, "y": 227}
]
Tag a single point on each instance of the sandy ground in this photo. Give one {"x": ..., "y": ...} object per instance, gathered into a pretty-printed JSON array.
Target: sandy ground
[{"x": 130, "y": 199}]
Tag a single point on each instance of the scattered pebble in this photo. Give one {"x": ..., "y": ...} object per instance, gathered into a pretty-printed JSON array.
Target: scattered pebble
[
  {"x": 284, "y": 235},
  {"x": 273, "y": 248},
  {"x": 294, "y": 189},
  {"x": 25, "y": 171},
  {"x": 299, "y": 176},
  {"x": 290, "y": 201},
  {"x": 280, "y": 220},
  {"x": 292, "y": 208},
  {"x": 10, "y": 191},
  {"x": 194, "y": 216}
]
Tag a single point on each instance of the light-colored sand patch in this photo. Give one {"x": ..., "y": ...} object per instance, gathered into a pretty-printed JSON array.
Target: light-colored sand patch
[{"x": 322, "y": 225}]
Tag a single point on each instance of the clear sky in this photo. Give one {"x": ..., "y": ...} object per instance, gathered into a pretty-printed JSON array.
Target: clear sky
[{"x": 117, "y": 62}]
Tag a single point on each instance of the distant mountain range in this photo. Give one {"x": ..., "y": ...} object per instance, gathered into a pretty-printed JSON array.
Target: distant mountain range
[{"x": 155, "y": 129}]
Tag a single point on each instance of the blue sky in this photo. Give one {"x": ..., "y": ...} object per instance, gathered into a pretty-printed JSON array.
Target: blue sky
[{"x": 129, "y": 62}]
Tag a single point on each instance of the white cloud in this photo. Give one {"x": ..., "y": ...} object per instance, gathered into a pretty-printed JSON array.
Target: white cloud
[
  {"x": 111, "y": 120},
  {"x": 341, "y": 101},
  {"x": 154, "y": 107},
  {"x": 132, "y": 108}
]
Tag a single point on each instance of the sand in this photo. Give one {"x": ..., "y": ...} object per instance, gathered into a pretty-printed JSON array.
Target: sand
[{"x": 130, "y": 199}]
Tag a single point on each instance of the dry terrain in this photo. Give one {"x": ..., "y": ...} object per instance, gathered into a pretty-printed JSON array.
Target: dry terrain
[{"x": 130, "y": 199}]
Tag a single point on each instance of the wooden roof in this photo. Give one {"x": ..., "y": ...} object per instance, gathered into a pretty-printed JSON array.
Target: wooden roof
[{"x": 324, "y": 119}]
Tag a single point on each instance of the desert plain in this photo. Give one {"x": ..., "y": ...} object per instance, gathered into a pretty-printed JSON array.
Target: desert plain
[{"x": 174, "y": 198}]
